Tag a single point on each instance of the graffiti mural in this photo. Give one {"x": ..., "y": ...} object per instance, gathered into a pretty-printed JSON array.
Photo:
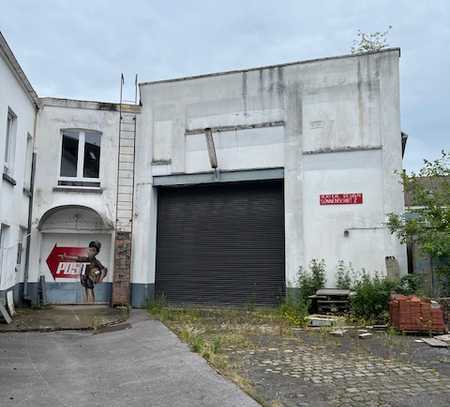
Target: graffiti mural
[
  {"x": 78, "y": 262},
  {"x": 65, "y": 268}
]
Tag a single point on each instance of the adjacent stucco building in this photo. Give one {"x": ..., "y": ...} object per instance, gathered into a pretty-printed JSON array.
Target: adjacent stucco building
[
  {"x": 218, "y": 188},
  {"x": 75, "y": 196},
  {"x": 18, "y": 106}
]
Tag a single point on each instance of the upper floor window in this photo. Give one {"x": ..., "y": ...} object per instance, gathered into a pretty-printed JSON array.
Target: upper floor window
[
  {"x": 10, "y": 144},
  {"x": 80, "y": 157}
]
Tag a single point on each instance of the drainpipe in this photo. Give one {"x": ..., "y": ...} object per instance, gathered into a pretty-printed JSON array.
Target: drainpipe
[{"x": 30, "y": 214}]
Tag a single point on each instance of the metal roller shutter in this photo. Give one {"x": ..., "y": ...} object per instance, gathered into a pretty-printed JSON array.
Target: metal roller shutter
[{"x": 221, "y": 244}]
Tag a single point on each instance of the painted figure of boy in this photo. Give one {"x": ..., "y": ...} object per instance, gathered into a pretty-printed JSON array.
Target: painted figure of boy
[{"x": 94, "y": 272}]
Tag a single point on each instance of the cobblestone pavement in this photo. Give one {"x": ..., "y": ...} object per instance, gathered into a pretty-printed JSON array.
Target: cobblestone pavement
[{"x": 296, "y": 373}]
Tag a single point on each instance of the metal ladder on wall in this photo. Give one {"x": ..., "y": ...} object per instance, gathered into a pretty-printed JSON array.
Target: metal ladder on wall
[{"x": 125, "y": 197}]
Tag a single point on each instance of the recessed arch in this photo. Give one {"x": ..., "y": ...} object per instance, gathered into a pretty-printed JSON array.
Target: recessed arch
[{"x": 74, "y": 218}]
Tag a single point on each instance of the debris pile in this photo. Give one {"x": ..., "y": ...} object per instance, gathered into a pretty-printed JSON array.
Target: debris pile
[
  {"x": 321, "y": 320},
  {"x": 414, "y": 314}
]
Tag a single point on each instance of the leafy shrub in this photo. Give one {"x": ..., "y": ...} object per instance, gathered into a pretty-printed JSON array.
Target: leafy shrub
[
  {"x": 295, "y": 308},
  {"x": 343, "y": 277},
  {"x": 370, "y": 297},
  {"x": 309, "y": 281},
  {"x": 410, "y": 284}
]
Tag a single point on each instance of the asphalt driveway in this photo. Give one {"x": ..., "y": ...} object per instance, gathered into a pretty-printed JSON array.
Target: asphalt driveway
[{"x": 145, "y": 365}]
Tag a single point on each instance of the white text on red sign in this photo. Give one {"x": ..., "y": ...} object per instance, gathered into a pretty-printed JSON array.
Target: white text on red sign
[
  {"x": 70, "y": 269},
  {"x": 341, "y": 199}
]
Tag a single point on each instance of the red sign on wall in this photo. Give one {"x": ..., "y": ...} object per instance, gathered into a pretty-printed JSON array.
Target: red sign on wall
[
  {"x": 66, "y": 268},
  {"x": 341, "y": 199}
]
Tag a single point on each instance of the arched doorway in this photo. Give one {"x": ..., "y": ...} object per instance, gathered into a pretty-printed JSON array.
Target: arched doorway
[{"x": 68, "y": 230}]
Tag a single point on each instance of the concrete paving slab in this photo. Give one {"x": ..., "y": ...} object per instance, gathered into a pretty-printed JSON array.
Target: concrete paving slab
[
  {"x": 145, "y": 365},
  {"x": 64, "y": 317}
]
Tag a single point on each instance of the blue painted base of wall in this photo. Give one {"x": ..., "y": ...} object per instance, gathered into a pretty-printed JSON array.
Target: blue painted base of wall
[
  {"x": 141, "y": 294},
  {"x": 32, "y": 295},
  {"x": 18, "y": 295},
  {"x": 73, "y": 293}
]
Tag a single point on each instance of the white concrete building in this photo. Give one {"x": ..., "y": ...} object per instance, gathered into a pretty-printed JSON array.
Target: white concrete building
[
  {"x": 321, "y": 127},
  {"x": 18, "y": 105},
  {"x": 75, "y": 193},
  {"x": 218, "y": 188}
]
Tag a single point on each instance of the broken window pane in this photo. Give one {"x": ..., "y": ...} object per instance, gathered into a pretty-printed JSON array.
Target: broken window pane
[
  {"x": 69, "y": 157},
  {"x": 91, "y": 167}
]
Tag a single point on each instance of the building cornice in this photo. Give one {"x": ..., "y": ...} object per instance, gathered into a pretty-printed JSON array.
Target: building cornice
[{"x": 89, "y": 105}]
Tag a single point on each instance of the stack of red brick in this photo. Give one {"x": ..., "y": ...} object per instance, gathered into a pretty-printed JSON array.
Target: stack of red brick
[{"x": 414, "y": 314}]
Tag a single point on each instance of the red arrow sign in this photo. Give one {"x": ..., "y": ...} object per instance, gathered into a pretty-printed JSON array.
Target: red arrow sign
[{"x": 66, "y": 268}]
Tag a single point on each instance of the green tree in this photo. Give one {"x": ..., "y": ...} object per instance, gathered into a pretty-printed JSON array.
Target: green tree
[
  {"x": 428, "y": 223},
  {"x": 368, "y": 42}
]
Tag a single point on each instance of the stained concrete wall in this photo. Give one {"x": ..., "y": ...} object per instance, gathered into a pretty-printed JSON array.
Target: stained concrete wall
[
  {"x": 13, "y": 199},
  {"x": 54, "y": 116},
  {"x": 340, "y": 133}
]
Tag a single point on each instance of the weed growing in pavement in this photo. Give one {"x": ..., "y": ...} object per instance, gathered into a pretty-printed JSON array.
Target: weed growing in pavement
[
  {"x": 156, "y": 305},
  {"x": 217, "y": 344},
  {"x": 197, "y": 344},
  {"x": 294, "y": 312},
  {"x": 391, "y": 331}
]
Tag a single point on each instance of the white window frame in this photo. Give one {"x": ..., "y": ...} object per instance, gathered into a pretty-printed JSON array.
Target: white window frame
[
  {"x": 10, "y": 143},
  {"x": 80, "y": 157}
]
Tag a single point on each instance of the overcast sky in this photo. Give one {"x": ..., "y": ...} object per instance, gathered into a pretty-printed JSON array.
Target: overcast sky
[{"x": 77, "y": 49}]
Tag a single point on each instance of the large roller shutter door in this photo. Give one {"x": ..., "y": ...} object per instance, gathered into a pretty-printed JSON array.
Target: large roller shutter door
[{"x": 221, "y": 244}]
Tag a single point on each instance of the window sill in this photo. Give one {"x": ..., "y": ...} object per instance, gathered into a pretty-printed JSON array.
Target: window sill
[
  {"x": 75, "y": 183},
  {"x": 91, "y": 190},
  {"x": 9, "y": 179}
]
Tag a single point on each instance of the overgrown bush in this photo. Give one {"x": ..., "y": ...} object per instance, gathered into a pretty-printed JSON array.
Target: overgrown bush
[
  {"x": 410, "y": 284},
  {"x": 370, "y": 297},
  {"x": 309, "y": 281},
  {"x": 296, "y": 306},
  {"x": 343, "y": 275}
]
